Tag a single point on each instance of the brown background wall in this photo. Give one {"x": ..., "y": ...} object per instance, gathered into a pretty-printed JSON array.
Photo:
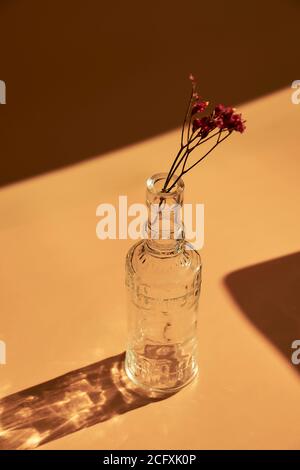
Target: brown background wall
[{"x": 85, "y": 77}]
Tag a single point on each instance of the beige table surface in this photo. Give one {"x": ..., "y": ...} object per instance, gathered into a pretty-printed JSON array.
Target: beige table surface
[{"x": 62, "y": 299}]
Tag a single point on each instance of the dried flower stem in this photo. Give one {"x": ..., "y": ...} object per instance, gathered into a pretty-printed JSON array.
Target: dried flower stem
[
  {"x": 223, "y": 118},
  {"x": 183, "y": 172},
  {"x": 187, "y": 150},
  {"x": 182, "y": 144},
  {"x": 190, "y": 149},
  {"x": 186, "y": 116}
]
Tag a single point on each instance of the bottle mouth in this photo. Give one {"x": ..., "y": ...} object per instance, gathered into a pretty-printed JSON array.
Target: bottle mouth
[{"x": 156, "y": 183}]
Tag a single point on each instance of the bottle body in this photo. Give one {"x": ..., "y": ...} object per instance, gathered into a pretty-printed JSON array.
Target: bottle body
[
  {"x": 163, "y": 279},
  {"x": 162, "y": 304}
]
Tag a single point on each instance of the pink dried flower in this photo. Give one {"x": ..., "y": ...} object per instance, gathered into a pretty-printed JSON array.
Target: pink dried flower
[
  {"x": 205, "y": 124},
  {"x": 196, "y": 124},
  {"x": 223, "y": 119},
  {"x": 219, "y": 122},
  {"x": 224, "y": 111},
  {"x": 199, "y": 107},
  {"x": 219, "y": 109},
  {"x": 226, "y": 118},
  {"x": 236, "y": 123}
]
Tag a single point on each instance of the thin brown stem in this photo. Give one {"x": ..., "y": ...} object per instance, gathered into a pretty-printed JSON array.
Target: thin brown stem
[
  {"x": 186, "y": 115},
  {"x": 198, "y": 161},
  {"x": 214, "y": 146},
  {"x": 182, "y": 145},
  {"x": 184, "y": 163},
  {"x": 186, "y": 154},
  {"x": 171, "y": 169}
]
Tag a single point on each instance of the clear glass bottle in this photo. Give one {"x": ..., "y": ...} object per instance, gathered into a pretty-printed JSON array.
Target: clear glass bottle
[{"x": 163, "y": 277}]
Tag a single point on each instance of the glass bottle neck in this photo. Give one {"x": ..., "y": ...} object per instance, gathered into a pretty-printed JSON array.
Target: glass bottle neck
[{"x": 165, "y": 234}]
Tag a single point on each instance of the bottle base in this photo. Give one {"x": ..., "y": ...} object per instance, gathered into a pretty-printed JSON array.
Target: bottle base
[{"x": 159, "y": 391}]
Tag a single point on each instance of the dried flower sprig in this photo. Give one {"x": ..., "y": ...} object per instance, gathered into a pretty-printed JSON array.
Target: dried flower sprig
[{"x": 196, "y": 130}]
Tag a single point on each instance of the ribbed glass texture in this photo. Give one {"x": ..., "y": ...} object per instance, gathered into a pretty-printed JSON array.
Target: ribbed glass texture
[{"x": 163, "y": 278}]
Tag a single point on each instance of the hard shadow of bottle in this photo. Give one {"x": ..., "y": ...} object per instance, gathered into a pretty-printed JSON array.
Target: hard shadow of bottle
[
  {"x": 269, "y": 294},
  {"x": 68, "y": 403}
]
